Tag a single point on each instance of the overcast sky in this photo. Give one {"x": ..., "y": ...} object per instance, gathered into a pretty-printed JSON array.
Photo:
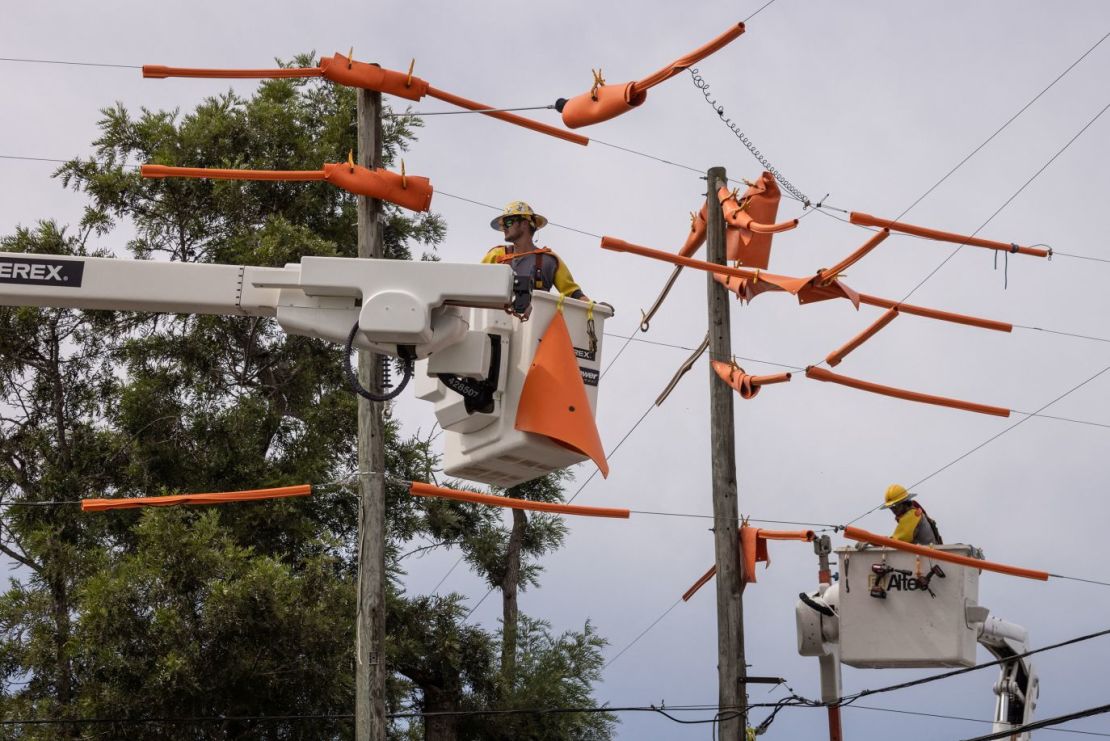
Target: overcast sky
[{"x": 869, "y": 102}]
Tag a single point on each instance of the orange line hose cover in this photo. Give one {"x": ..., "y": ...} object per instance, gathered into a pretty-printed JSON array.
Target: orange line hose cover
[
  {"x": 407, "y": 191},
  {"x": 944, "y": 316},
  {"x": 921, "y": 231},
  {"x": 745, "y": 385},
  {"x": 161, "y": 72},
  {"x": 610, "y": 101},
  {"x": 855, "y": 533},
  {"x": 836, "y": 356},
  {"x": 753, "y": 549},
  {"x": 820, "y": 374},
  {"x": 215, "y": 173},
  {"x": 553, "y": 402},
  {"x": 508, "y": 117},
  {"x": 856, "y": 256},
  {"x": 250, "y": 495},
  {"x": 420, "y": 489}
]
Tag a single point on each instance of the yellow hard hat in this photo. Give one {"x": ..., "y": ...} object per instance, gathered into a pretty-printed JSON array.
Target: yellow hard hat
[
  {"x": 519, "y": 208},
  {"x": 896, "y": 493}
]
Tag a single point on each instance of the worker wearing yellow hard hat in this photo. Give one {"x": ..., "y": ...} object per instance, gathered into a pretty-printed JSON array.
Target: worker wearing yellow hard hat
[
  {"x": 541, "y": 268},
  {"x": 914, "y": 524}
]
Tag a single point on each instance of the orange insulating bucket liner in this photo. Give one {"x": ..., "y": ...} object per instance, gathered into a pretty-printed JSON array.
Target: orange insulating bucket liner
[
  {"x": 553, "y": 402},
  {"x": 856, "y": 256},
  {"x": 836, "y": 356},
  {"x": 921, "y": 231},
  {"x": 753, "y": 549},
  {"x": 161, "y": 72},
  {"x": 747, "y": 386},
  {"x": 855, "y": 533},
  {"x": 610, "y": 101},
  {"x": 251, "y": 495},
  {"x": 944, "y": 316},
  {"x": 508, "y": 117},
  {"x": 345, "y": 71},
  {"x": 420, "y": 489},
  {"x": 406, "y": 191},
  {"x": 820, "y": 374}
]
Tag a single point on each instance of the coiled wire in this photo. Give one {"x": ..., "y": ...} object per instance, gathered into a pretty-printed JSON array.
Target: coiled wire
[{"x": 701, "y": 84}]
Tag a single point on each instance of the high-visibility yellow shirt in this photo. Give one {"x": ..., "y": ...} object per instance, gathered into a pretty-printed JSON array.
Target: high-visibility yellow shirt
[
  {"x": 907, "y": 526},
  {"x": 543, "y": 267}
]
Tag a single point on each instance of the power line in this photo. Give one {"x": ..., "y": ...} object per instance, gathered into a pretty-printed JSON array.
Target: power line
[
  {"x": 1008, "y": 200},
  {"x": 71, "y": 64},
  {"x": 992, "y": 438},
  {"x": 963, "y": 718},
  {"x": 1044, "y": 723},
  {"x": 643, "y": 633}
]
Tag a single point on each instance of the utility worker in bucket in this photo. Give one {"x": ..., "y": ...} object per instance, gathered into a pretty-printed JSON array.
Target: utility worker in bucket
[
  {"x": 541, "y": 268},
  {"x": 914, "y": 524}
]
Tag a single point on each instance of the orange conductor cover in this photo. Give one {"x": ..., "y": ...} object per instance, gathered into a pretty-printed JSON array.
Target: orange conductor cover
[
  {"x": 696, "y": 238},
  {"x": 747, "y": 386},
  {"x": 944, "y": 316},
  {"x": 408, "y": 191},
  {"x": 836, "y": 356},
  {"x": 750, "y": 219},
  {"x": 820, "y": 374},
  {"x": 553, "y": 402},
  {"x": 250, "y": 495},
  {"x": 609, "y": 101},
  {"x": 421, "y": 489},
  {"x": 508, "y": 117},
  {"x": 855, "y": 533},
  {"x": 161, "y": 72},
  {"x": 921, "y": 231},
  {"x": 753, "y": 549},
  {"x": 343, "y": 70},
  {"x": 855, "y": 257}
]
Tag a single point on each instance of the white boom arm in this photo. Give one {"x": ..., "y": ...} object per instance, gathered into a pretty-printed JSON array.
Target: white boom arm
[
  {"x": 1018, "y": 685},
  {"x": 395, "y": 302}
]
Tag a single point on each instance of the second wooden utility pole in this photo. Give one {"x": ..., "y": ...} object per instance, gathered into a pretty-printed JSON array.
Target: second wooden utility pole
[
  {"x": 731, "y": 669},
  {"x": 370, "y": 671}
]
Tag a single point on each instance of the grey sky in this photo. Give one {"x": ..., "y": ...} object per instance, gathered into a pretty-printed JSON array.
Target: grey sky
[{"x": 870, "y": 102}]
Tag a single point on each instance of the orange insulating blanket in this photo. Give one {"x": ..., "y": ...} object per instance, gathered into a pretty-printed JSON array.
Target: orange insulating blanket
[
  {"x": 420, "y": 489},
  {"x": 820, "y": 374},
  {"x": 836, "y": 356},
  {"x": 749, "y": 221},
  {"x": 609, "y": 101},
  {"x": 407, "y": 191},
  {"x": 753, "y": 549},
  {"x": 856, "y": 533},
  {"x": 921, "y": 231},
  {"x": 251, "y": 495},
  {"x": 747, "y": 386},
  {"x": 343, "y": 70},
  {"x": 553, "y": 402}
]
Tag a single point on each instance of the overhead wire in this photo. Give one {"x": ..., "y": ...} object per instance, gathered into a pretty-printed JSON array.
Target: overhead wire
[
  {"x": 942, "y": 716},
  {"x": 1037, "y": 724}
]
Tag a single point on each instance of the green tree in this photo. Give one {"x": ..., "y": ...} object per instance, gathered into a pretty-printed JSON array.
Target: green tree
[{"x": 242, "y": 610}]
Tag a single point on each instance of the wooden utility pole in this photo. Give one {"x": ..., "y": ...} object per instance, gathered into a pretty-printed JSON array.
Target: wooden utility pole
[
  {"x": 370, "y": 626},
  {"x": 731, "y": 669}
]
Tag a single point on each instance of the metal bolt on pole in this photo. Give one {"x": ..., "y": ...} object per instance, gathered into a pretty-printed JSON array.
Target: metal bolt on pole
[{"x": 731, "y": 668}]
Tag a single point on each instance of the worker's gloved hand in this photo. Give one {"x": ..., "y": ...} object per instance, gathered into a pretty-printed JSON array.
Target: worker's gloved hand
[{"x": 861, "y": 546}]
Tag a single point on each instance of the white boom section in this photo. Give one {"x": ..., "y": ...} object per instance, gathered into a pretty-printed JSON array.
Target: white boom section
[
  {"x": 1018, "y": 686},
  {"x": 395, "y": 302}
]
